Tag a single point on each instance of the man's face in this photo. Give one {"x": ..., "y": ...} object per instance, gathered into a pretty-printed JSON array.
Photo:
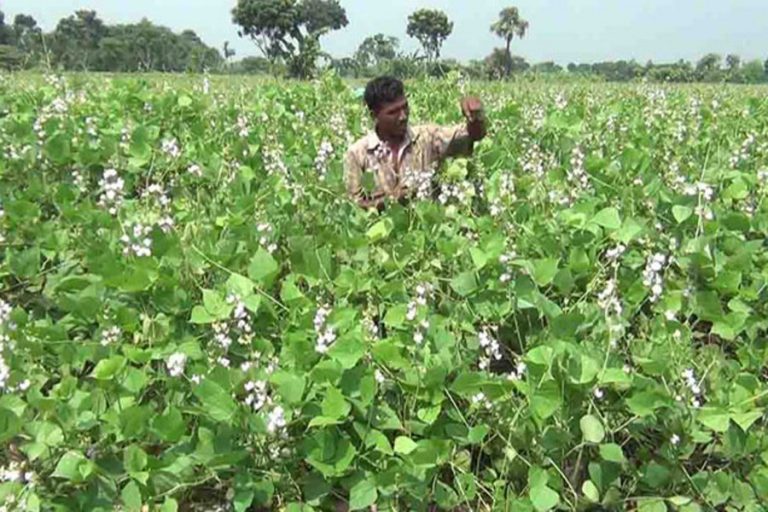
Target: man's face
[{"x": 392, "y": 118}]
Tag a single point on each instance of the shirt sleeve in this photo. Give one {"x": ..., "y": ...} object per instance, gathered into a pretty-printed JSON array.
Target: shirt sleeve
[
  {"x": 451, "y": 141},
  {"x": 353, "y": 171}
]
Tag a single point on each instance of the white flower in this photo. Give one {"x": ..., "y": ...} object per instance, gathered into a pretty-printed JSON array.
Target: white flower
[
  {"x": 675, "y": 440},
  {"x": 276, "y": 420},
  {"x": 195, "y": 170},
  {"x": 379, "y": 376},
  {"x": 418, "y": 338},
  {"x": 599, "y": 394},
  {"x": 110, "y": 336},
  {"x": 176, "y": 364}
]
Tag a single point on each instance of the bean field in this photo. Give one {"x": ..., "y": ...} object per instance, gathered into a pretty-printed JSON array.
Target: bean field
[{"x": 193, "y": 316}]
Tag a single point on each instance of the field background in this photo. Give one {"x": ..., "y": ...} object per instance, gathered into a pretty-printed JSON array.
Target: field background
[{"x": 193, "y": 316}]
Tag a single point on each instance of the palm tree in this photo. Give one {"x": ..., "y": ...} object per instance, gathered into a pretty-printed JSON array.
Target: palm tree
[{"x": 509, "y": 25}]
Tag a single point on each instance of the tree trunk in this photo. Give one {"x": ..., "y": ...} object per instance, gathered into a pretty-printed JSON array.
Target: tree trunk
[{"x": 508, "y": 64}]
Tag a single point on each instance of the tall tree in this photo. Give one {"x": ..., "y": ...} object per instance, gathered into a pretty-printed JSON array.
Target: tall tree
[
  {"x": 732, "y": 62},
  {"x": 509, "y": 25},
  {"x": 228, "y": 51},
  {"x": 77, "y": 38},
  {"x": 5, "y": 31},
  {"x": 27, "y": 35},
  {"x": 289, "y": 29},
  {"x": 377, "y": 49},
  {"x": 431, "y": 27}
]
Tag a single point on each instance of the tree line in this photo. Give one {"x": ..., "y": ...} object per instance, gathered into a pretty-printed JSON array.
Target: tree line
[{"x": 288, "y": 35}]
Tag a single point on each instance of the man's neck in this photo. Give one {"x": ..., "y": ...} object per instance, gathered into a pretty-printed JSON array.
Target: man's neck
[{"x": 391, "y": 140}]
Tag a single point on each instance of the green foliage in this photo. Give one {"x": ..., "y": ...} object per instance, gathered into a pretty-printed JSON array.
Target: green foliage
[
  {"x": 289, "y": 30},
  {"x": 235, "y": 332},
  {"x": 431, "y": 27}
]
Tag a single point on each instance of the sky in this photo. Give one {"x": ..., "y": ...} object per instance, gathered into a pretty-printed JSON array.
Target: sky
[{"x": 560, "y": 30}]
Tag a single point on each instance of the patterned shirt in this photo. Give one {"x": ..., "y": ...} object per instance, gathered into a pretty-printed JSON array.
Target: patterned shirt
[{"x": 421, "y": 154}]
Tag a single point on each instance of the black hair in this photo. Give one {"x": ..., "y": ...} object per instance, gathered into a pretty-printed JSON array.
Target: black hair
[{"x": 382, "y": 90}]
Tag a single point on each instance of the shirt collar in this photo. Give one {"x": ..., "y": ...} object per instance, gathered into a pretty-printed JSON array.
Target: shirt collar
[{"x": 373, "y": 141}]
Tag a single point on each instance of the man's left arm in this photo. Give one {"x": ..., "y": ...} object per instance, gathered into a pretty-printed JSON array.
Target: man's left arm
[{"x": 459, "y": 140}]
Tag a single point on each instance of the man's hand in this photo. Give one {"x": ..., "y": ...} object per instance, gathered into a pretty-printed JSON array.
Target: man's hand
[{"x": 472, "y": 108}]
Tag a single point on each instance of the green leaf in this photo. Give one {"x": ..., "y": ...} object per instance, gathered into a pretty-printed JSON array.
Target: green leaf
[
  {"x": 543, "y": 498},
  {"x": 217, "y": 403},
  {"x": 545, "y": 270},
  {"x": 289, "y": 386},
  {"x": 651, "y": 505},
  {"x": 335, "y": 405},
  {"x": 746, "y": 419},
  {"x": 478, "y": 433},
  {"x": 134, "y": 459},
  {"x": 363, "y": 494},
  {"x": 644, "y": 403},
  {"x": 107, "y": 369},
  {"x": 591, "y": 491},
  {"x": 546, "y": 400},
  {"x": 404, "y": 445},
  {"x": 464, "y": 284},
  {"x": 612, "y": 453},
  {"x": 73, "y": 466},
  {"x": 608, "y": 218},
  {"x": 681, "y": 213},
  {"x": 348, "y": 350},
  {"x": 715, "y": 418},
  {"x": 10, "y": 425},
  {"x": 184, "y": 101},
  {"x": 170, "y": 426},
  {"x": 380, "y": 230},
  {"x": 131, "y": 496},
  {"x": 263, "y": 268},
  {"x": 592, "y": 429}
]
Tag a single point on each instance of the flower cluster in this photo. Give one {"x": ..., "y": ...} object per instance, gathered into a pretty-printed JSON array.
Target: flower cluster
[
  {"x": 325, "y": 333},
  {"x": 652, "y": 277},
  {"x": 78, "y": 180},
  {"x": 273, "y": 158},
  {"x": 506, "y": 259},
  {"x": 419, "y": 181},
  {"x": 491, "y": 348},
  {"x": 519, "y": 372},
  {"x": 14, "y": 473},
  {"x": 693, "y": 386},
  {"x": 276, "y": 420},
  {"x": 137, "y": 242},
  {"x": 324, "y": 153},
  {"x": 195, "y": 170},
  {"x": 257, "y": 396},
  {"x": 111, "y": 336},
  {"x": 242, "y": 126},
  {"x": 463, "y": 192},
  {"x": 742, "y": 154},
  {"x": 577, "y": 175},
  {"x": 112, "y": 190},
  {"x": 264, "y": 231},
  {"x": 505, "y": 192},
  {"x": 176, "y": 364},
  {"x": 423, "y": 292},
  {"x": 171, "y": 148},
  {"x": 608, "y": 299},
  {"x": 238, "y": 325}
]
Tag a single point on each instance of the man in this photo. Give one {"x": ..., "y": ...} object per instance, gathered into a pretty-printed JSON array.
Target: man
[{"x": 398, "y": 157}]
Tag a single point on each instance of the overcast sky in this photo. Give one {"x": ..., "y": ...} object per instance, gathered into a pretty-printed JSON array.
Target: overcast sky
[{"x": 560, "y": 30}]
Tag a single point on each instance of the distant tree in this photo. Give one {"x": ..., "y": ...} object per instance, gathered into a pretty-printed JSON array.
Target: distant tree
[
  {"x": 289, "y": 30},
  {"x": 346, "y": 67},
  {"x": 5, "y": 31},
  {"x": 26, "y": 32},
  {"x": 765, "y": 67},
  {"x": 753, "y": 72},
  {"x": 229, "y": 52},
  {"x": 431, "y": 28},
  {"x": 708, "y": 67},
  {"x": 509, "y": 25},
  {"x": 376, "y": 50},
  {"x": 546, "y": 67},
  {"x": 252, "y": 66},
  {"x": 732, "y": 62},
  {"x": 499, "y": 62},
  {"x": 76, "y": 39},
  {"x": 10, "y": 57}
]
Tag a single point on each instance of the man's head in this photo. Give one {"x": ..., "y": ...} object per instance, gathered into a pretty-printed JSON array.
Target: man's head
[{"x": 385, "y": 97}]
